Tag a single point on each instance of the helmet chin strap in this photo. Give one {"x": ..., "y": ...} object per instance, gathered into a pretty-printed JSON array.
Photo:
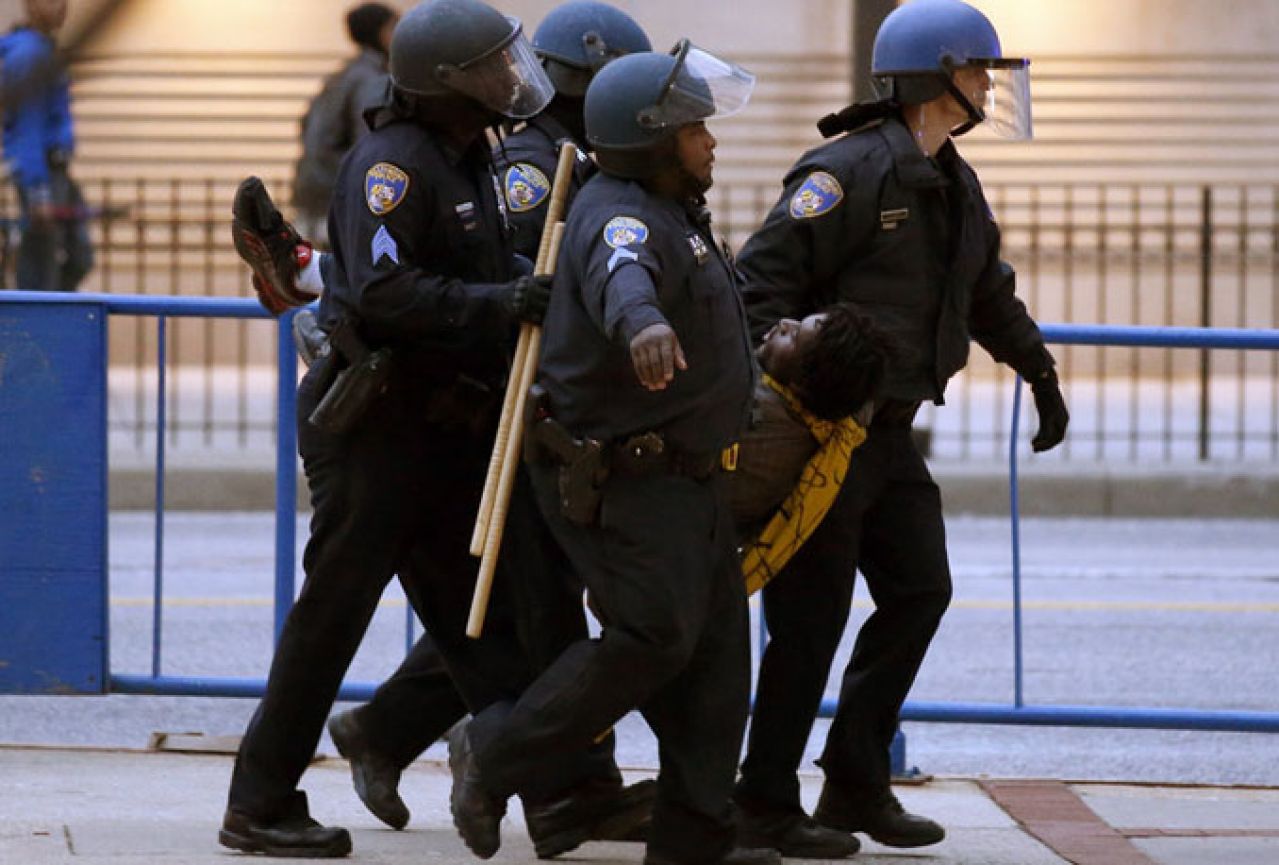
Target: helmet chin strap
[{"x": 975, "y": 114}]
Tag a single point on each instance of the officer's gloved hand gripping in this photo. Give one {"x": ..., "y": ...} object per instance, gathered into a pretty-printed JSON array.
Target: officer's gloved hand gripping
[
  {"x": 527, "y": 297},
  {"x": 656, "y": 354}
]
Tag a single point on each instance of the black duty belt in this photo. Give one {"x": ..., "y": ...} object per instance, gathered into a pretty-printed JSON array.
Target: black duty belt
[{"x": 648, "y": 454}]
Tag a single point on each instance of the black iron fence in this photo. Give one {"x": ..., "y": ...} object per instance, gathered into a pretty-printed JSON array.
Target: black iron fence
[{"x": 1140, "y": 254}]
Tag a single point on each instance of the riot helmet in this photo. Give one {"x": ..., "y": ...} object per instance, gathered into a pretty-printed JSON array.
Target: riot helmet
[
  {"x": 443, "y": 47},
  {"x": 575, "y": 40},
  {"x": 637, "y": 103},
  {"x": 921, "y": 45}
]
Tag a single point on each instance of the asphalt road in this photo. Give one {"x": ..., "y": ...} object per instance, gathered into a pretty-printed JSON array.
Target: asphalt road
[{"x": 1167, "y": 613}]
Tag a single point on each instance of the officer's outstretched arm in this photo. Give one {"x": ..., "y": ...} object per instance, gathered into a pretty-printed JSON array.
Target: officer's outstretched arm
[{"x": 620, "y": 293}]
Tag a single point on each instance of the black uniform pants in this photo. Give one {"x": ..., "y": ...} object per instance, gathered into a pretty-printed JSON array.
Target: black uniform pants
[
  {"x": 662, "y": 571},
  {"x": 887, "y": 520},
  {"x": 393, "y": 496},
  {"x": 547, "y": 596}
]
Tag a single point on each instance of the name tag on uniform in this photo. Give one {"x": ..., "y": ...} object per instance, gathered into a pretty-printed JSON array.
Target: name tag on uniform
[
  {"x": 466, "y": 212},
  {"x": 889, "y": 219},
  {"x": 701, "y": 251}
]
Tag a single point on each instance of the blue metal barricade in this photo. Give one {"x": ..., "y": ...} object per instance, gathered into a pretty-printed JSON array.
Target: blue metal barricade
[
  {"x": 44, "y": 326},
  {"x": 164, "y": 308}
]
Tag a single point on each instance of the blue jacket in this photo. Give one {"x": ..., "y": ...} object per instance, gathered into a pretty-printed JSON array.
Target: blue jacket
[{"x": 37, "y": 114}]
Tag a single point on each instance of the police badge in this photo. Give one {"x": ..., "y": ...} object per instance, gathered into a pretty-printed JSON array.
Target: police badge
[
  {"x": 624, "y": 231},
  {"x": 526, "y": 187},
  {"x": 819, "y": 194},
  {"x": 385, "y": 186}
]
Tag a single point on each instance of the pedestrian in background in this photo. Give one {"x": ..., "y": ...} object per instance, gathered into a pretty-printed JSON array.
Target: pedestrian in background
[
  {"x": 54, "y": 253},
  {"x": 335, "y": 118}
]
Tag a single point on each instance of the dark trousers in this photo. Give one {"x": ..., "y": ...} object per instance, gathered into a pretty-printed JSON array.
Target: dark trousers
[
  {"x": 394, "y": 496},
  {"x": 887, "y": 521},
  {"x": 662, "y": 572},
  {"x": 418, "y": 703},
  {"x": 55, "y": 255}
]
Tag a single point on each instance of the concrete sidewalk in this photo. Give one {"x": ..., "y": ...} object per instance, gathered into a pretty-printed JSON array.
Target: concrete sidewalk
[{"x": 147, "y": 808}]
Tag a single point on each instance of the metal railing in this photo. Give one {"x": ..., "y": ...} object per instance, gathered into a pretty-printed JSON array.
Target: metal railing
[
  {"x": 1019, "y": 712},
  {"x": 1119, "y": 254}
]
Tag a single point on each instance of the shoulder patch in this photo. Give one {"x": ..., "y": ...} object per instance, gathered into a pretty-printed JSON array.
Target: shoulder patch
[
  {"x": 385, "y": 186},
  {"x": 624, "y": 231},
  {"x": 526, "y": 187},
  {"x": 819, "y": 194}
]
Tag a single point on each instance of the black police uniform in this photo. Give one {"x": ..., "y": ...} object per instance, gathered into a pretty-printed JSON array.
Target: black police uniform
[
  {"x": 526, "y": 161},
  {"x": 869, "y": 219},
  {"x": 545, "y": 593},
  {"x": 659, "y": 558},
  {"x": 422, "y": 255}
]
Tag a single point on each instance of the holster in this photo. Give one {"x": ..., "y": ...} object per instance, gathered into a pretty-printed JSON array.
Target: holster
[
  {"x": 359, "y": 376},
  {"x": 582, "y": 465}
]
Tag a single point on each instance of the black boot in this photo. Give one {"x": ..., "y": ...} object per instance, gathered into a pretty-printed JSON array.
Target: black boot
[
  {"x": 793, "y": 834},
  {"x": 477, "y": 815},
  {"x": 296, "y": 836},
  {"x": 603, "y": 811},
  {"x": 376, "y": 778},
  {"x": 882, "y": 818}
]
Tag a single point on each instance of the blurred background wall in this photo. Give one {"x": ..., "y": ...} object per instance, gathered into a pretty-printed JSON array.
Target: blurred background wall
[
  {"x": 1150, "y": 194},
  {"x": 1125, "y": 90}
]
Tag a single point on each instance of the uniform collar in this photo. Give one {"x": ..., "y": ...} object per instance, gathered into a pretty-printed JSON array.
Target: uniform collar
[
  {"x": 914, "y": 169},
  {"x": 690, "y": 210}
]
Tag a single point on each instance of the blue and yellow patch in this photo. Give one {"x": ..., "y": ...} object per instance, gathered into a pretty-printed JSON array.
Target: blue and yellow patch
[
  {"x": 526, "y": 187},
  {"x": 819, "y": 194},
  {"x": 624, "y": 231},
  {"x": 385, "y": 186}
]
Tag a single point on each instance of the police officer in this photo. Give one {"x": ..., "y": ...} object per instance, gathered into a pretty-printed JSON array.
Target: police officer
[
  {"x": 574, "y": 800},
  {"x": 647, "y": 359},
  {"x": 891, "y": 218},
  {"x": 424, "y": 268},
  {"x": 574, "y": 41}
]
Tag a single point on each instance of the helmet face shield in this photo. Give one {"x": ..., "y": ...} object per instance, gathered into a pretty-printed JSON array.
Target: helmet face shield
[
  {"x": 1007, "y": 105},
  {"x": 509, "y": 80},
  {"x": 701, "y": 86}
]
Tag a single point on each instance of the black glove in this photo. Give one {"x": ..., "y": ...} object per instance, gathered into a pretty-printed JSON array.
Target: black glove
[
  {"x": 1051, "y": 406},
  {"x": 527, "y": 297}
]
